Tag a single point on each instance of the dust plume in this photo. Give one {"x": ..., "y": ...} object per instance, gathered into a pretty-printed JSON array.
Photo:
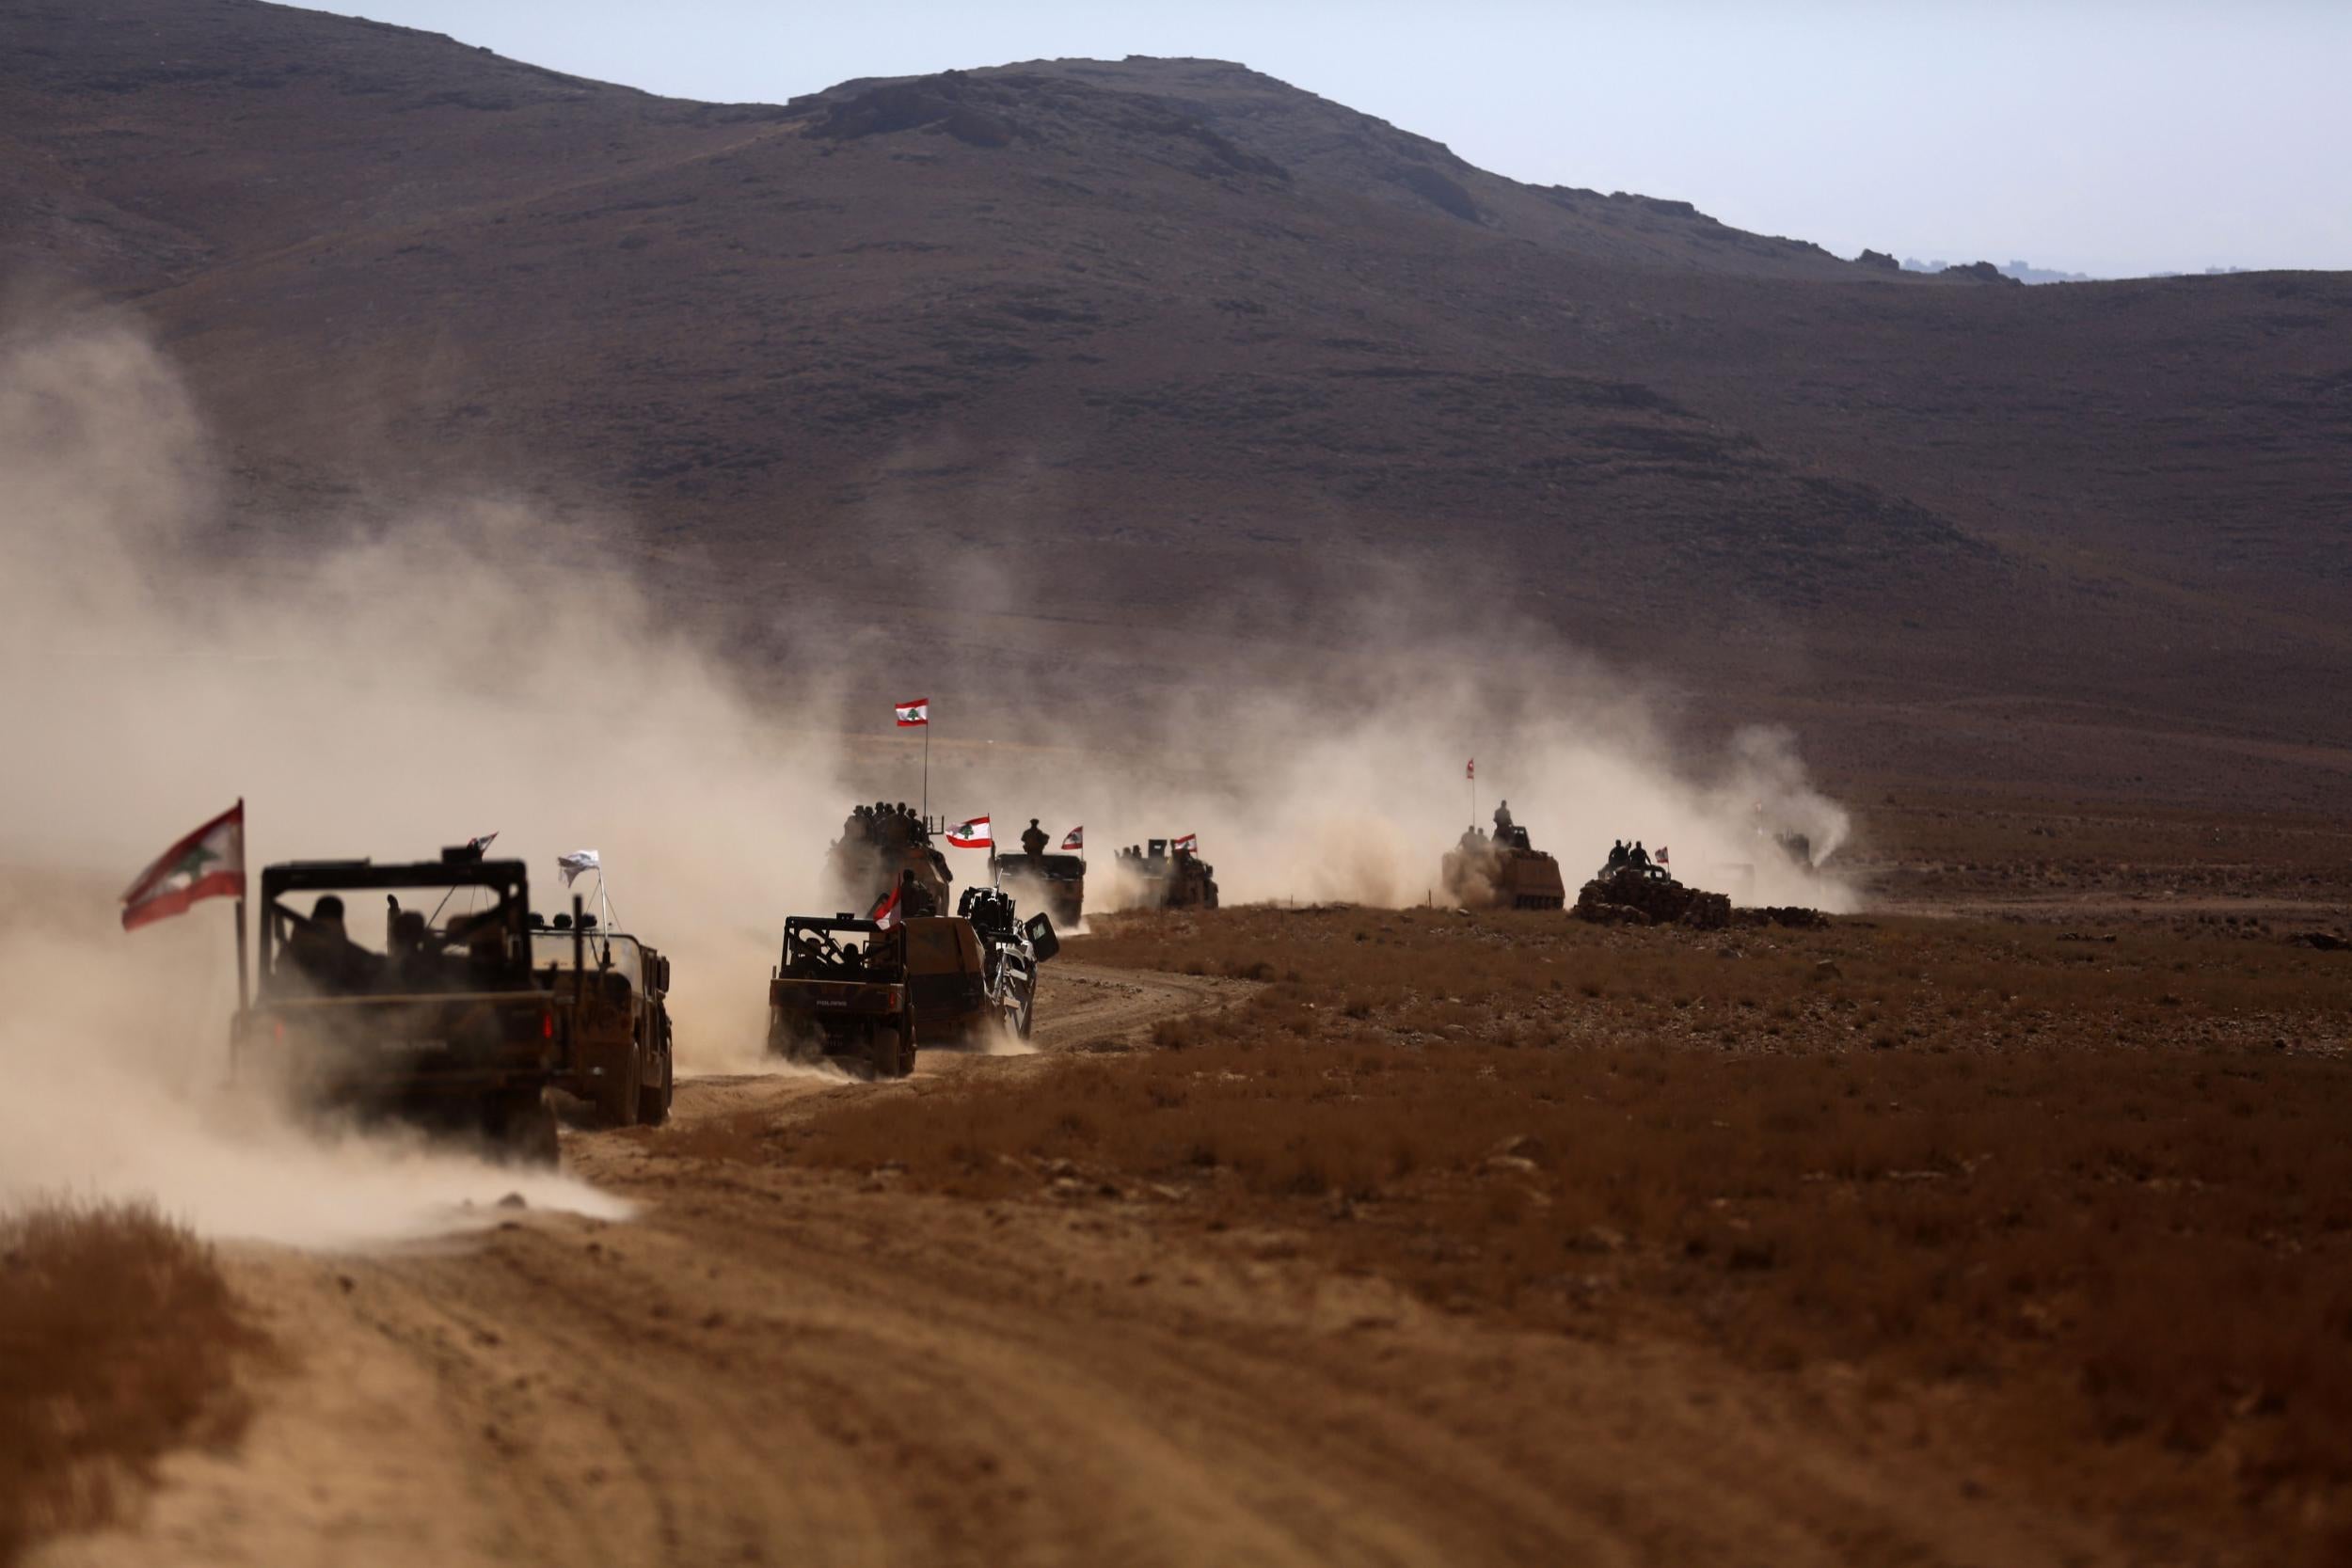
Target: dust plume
[{"x": 469, "y": 669}]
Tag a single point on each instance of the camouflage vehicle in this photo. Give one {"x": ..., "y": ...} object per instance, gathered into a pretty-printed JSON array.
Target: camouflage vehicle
[
  {"x": 1010, "y": 948},
  {"x": 460, "y": 1026},
  {"x": 1647, "y": 894},
  {"x": 1168, "y": 878},
  {"x": 839, "y": 992},
  {"x": 621, "y": 1054},
  {"x": 1053, "y": 883},
  {"x": 882, "y": 850},
  {"x": 1504, "y": 872}
]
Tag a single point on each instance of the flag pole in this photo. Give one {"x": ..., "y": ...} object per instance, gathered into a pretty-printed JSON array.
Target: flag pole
[
  {"x": 926, "y": 768},
  {"x": 245, "y": 995}
]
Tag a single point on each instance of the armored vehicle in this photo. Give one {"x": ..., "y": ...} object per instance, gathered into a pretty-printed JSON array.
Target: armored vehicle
[
  {"x": 621, "y": 1055},
  {"x": 880, "y": 849},
  {"x": 1055, "y": 884},
  {"x": 1504, "y": 872},
  {"x": 460, "y": 1026},
  {"x": 1166, "y": 878},
  {"x": 1645, "y": 895},
  {"x": 839, "y": 992},
  {"x": 1011, "y": 949}
]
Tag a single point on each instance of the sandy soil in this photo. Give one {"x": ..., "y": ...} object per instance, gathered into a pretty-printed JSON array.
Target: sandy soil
[{"x": 767, "y": 1366}]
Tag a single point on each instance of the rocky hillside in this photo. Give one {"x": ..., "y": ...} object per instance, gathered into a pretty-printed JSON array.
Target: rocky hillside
[{"x": 1103, "y": 352}]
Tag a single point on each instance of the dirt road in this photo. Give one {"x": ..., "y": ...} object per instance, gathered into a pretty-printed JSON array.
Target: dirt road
[{"x": 771, "y": 1366}]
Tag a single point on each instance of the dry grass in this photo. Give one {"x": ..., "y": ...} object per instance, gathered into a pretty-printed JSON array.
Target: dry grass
[
  {"x": 2099, "y": 1190},
  {"x": 117, "y": 1341}
]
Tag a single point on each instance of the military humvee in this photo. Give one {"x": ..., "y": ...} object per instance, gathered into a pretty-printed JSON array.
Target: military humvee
[
  {"x": 1053, "y": 883},
  {"x": 621, "y": 1050},
  {"x": 460, "y": 1026},
  {"x": 1504, "y": 872}
]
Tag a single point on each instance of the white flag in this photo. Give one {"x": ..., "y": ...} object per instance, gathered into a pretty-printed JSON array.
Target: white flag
[{"x": 577, "y": 862}]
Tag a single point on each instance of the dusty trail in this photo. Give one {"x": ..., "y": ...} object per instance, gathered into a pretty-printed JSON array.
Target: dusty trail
[{"x": 769, "y": 1366}]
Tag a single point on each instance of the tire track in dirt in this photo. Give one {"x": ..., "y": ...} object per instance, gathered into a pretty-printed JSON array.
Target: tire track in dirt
[{"x": 774, "y": 1365}]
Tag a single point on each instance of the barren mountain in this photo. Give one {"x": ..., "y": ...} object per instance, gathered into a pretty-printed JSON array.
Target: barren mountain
[{"x": 1164, "y": 343}]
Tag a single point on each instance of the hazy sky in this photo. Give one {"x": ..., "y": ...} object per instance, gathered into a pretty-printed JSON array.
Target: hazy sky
[{"x": 2082, "y": 134}]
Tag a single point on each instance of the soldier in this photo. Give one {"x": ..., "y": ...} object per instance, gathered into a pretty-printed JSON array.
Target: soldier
[
  {"x": 1640, "y": 857},
  {"x": 1618, "y": 855},
  {"x": 1033, "y": 840},
  {"x": 323, "y": 954},
  {"x": 1503, "y": 821}
]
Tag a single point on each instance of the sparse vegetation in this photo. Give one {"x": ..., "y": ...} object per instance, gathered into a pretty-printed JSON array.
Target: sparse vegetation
[
  {"x": 117, "y": 1341},
  {"x": 2099, "y": 1192}
]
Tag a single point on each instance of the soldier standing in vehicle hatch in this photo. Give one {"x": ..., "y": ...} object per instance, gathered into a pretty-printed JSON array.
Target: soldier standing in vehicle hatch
[{"x": 1033, "y": 840}]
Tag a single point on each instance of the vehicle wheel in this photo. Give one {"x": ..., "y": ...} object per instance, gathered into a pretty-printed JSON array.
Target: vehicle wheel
[
  {"x": 620, "y": 1100},
  {"x": 653, "y": 1105},
  {"x": 1025, "y": 1017},
  {"x": 881, "y": 1053}
]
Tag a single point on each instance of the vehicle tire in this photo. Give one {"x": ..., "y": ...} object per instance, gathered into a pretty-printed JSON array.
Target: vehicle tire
[
  {"x": 620, "y": 1100},
  {"x": 881, "y": 1053},
  {"x": 653, "y": 1105},
  {"x": 1025, "y": 1017}
]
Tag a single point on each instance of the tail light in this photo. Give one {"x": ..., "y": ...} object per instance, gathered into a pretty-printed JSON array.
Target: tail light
[
  {"x": 278, "y": 1030},
  {"x": 547, "y": 1026}
]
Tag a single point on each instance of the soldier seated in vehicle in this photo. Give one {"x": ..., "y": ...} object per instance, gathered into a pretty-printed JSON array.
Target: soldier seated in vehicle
[{"x": 321, "y": 952}]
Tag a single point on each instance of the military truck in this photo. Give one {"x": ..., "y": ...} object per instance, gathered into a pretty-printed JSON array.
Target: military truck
[
  {"x": 458, "y": 1026},
  {"x": 1011, "y": 948},
  {"x": 1165, "y": 878},
  {"x": 839, "y": 994},
  {"x": 1056, "y": 884},
  {"x": 1504, "y": 872},
  {"x": 621, "y": 1049}
]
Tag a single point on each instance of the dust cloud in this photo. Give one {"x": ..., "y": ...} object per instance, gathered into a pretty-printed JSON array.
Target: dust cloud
[
  {"x": 385, "y": 687},
  {"x": 468, "y": 670}
]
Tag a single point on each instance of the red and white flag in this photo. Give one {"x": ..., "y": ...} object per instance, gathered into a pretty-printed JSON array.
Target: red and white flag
[
  {"x": 913, "y": 713},
  {"x": 1470, "y": 771},
  {"x": 1075, "y": 840},
  {"x": 208, "y": 864},
  {"x": 479, "y": 845},
  {"x": 1190, "y": 844},
  {"x": 1661, "y": 854},
  {"x": 974, "y": 834},
  {"x": 885, "y": 913}
]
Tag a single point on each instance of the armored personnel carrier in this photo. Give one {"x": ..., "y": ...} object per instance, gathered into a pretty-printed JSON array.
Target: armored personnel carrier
[
  {"x": 882, "y": 849},
  {"x": 1504, "y": 872}
]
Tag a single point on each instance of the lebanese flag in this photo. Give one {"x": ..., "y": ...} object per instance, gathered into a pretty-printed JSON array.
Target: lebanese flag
[
  {"x": 974, "y": 834},
  {"x": 208, "y": 864},
  {"x": 913, "y": 713},
  {"x": 1077, "y": 839},
  {"x": 885, "y": 913},
  {"x": 1471, "y": 771},
  {"x": 1661, "y": 854},
  {"x": 1190, "y": 844}
]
